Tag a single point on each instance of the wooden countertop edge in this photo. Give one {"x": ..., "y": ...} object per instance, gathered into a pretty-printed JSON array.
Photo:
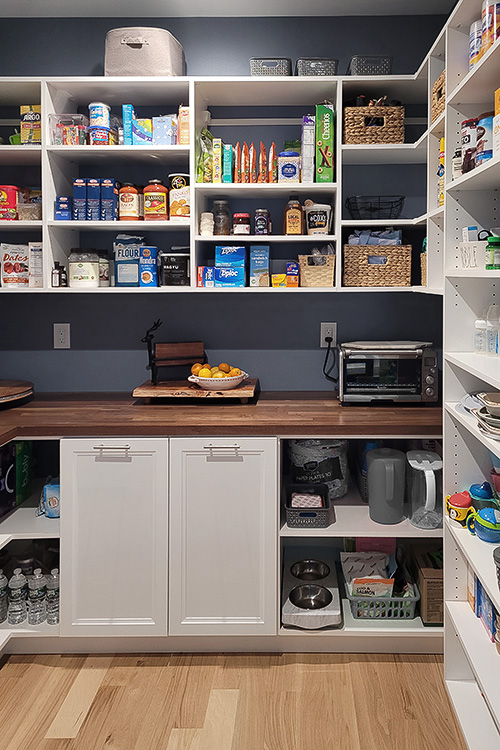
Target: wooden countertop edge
[{"x": 287, "y": 414}]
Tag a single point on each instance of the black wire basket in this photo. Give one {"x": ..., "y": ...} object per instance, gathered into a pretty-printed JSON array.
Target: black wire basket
[{"x": 375, "y": 206}]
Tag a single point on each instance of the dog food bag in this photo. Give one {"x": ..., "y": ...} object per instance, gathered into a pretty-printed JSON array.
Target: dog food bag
[{"x": 15, "y": 266}]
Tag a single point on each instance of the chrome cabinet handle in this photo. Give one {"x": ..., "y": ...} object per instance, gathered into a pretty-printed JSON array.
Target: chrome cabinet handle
[
  {"x": 221, "y": 447},
  {"x": 111, "y": 447}
]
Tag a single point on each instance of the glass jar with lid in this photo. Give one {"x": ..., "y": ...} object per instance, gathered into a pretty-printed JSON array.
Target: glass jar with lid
[
  {"x": 241, "y": 223},
  {"x": 222, "y": 217},
  {"x": 83, "y": 269}
]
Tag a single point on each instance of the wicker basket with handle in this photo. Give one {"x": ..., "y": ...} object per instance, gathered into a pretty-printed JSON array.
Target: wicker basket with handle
[
  {"x": 359, "y": 125},
  {"x": 377, "y": 265},
  {"x": 438, "y": 98},
  {"x": 313, "y": 275}
]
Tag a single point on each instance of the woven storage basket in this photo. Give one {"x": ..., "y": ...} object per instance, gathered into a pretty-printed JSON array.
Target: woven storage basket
[
  {"x": 438, "y": 98},
  {"x": 360, "y": 270},
  {"x": 357, "y": 129},
  {"x": 423, "y": 269},
  {"x": 311, "y": 275}
]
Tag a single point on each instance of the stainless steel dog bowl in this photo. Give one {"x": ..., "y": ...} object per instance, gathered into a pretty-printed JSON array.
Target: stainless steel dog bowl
[
  {"x": 309, "y": 570},
  {"x": 310, "y": 596}
]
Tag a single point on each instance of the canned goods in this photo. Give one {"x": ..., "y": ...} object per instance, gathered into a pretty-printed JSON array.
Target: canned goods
[
  {"x": 99, "y": 136},
  {"x": 8, "y": 202},
  {"x": 99, "y": 115}
]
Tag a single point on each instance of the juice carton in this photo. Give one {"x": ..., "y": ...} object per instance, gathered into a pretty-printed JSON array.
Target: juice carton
[
  {"x": 128, "y": 114},
  {"x": 31, "y": 124},
  {"x": 227, "y": 162},
  {"x": 259, "y": 265},
  {"x": 325, "y": 128},
  {"x": 230, "y": 256}
]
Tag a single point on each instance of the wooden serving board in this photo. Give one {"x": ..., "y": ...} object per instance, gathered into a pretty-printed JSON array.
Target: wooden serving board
[
  {"x": 14, "y": 390},
  {"x": 185, "y": 389}
]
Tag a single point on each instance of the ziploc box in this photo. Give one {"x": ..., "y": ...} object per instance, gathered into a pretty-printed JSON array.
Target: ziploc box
[
  {"x": 308, "y": 147},
  {"x": 227, "y": 162},
  {"x": 127, "y": 253},
  {"x": 109, "y": 199},
  {"x": 259, "y": 265},
  {"x": 142, "y": 132},
  {"x": 148, "y": 270},
  {"x": 325, "y": 128},
  {"x": 217, "y": 160},
  {"x": 165, "y": 130},
  {"x": 206, "y": 276},
  {"x": 232, "y": 256},
  {"x": 93, "y": 199},
  {"x": 128, "y": 114},
  {"x": 229, "y": 277},
  {"x": 80, "y": 199}
]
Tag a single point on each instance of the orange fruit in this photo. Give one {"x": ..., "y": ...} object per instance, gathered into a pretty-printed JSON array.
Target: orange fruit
[
  {"x": 224, "y": 367},
  {"x": 196, "y": 368},
  {"x": 218, "y": 374},
  {"x": 234, "y": 372},
  {"x": 214, "y": 369},
  {"x": 204, "y": 373}
]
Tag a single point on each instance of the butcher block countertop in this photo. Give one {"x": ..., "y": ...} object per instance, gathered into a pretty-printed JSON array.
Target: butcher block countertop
[{"x": 282, "y": 414}]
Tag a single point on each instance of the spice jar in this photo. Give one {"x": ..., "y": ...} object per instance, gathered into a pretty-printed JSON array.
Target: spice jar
[
  {"x": 262, "y": 221},
  {"x": 241, "y": 223},
  {"x": 222, "y": 219},
  {"x": 128, "y": 203},
  {"x": 155, "y": 201}
]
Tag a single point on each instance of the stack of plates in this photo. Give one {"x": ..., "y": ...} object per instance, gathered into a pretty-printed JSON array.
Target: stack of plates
[{"x": 488, "y": 415}]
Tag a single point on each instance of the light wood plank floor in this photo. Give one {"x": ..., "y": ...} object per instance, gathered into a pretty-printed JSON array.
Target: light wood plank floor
[{"x": 225, "y": 702}]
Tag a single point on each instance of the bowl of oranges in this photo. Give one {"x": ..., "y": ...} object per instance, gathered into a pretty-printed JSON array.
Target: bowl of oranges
[{"x": 223, "y": 377}]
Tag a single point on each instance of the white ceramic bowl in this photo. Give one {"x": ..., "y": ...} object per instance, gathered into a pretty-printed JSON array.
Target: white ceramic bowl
[
  {"x": 491, "y": 401},
  {"x": 218, "y": 384}
]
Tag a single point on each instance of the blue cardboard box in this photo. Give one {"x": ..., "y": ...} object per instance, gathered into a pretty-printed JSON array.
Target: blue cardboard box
[
  {"x": 80, "y": 199},
  {"x": 224, "y": 277},
  {"x": 128, "y": 115},
  {"x": 148, "y": 270},
  {"x": 109, "y": 199},
  {"x": 93, "y": 199},
  {"x": 165, "y": 130},
  {"x": 230, "y": 256}
]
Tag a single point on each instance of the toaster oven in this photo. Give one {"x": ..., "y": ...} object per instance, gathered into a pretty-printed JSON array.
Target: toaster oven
[{"x": 399, "y": 371}]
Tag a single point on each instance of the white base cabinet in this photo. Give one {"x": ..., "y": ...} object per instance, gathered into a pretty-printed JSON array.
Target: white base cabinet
[
  {"x": 114, "y": 531},
  {"x": 224, "y": 531}
]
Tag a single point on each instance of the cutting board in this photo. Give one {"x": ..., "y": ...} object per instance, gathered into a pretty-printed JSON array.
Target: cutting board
[
  {"x": 185, "y": 389},
  {"x": 14, "y": 390}
]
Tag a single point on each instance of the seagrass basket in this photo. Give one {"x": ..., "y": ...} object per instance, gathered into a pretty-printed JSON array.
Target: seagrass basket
[
  {"x": 423, "y": 269},
  {"x": 377, "y": 265},
  {"x": 438, "y": 98},
  {"x": 312, "y": 275},
  {"x": 374, "y": 125}
]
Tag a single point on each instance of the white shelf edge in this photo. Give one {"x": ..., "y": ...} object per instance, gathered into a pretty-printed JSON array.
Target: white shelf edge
[
  {"x": 384, "y": 222},
  {"x": 467, "y": 701},
  {"x": 470, "y": 362},
  {"x": 316, "y": 187},
  {"x": 483, "y": 62},
  {"x": 23, "y": 630},
  {"x": 471, "y": 273},
  {"x": 231, "y": 238},
  {"x": 468, "y": 179},
  {"x": 143, "y": 225}
]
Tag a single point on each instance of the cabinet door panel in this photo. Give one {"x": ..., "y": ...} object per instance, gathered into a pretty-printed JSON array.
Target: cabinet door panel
[
  {"x": 223, "y": 553},
  {"x": 114, "y": 516}
]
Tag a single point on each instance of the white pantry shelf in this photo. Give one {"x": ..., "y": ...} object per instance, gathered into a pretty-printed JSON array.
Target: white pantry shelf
[
  {"x": 485, "y": 177},
  {"x": 395, "y": 153},
  {"x": 470, "y": 424},
  {"x": 261, "y": 189},
  {"x": 161, "y": 155},
  {"x": 117, "y": 226},
  {"x": 472, "y": 273},
  {"x": 485, "y": 368},
  {"x": 478, "y": 85},
  {"x": 267, "y": 238},
  {"x": 20, "y": 226},
  {"x": 20, "y": 155},
  {"x": 23, "y": 523},
  {"x": 468, "y": 701}
]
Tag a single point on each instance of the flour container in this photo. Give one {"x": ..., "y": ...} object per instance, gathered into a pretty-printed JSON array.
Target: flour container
[
  {"x": 386, "y": 485},
  {"x": 321, "y": 461}
]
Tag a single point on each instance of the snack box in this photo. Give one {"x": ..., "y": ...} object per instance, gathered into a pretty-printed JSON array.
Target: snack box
[
  {"x": 325, "y": 128},
  {"x": 93, "y": 212},
  {"x": 259, "y": 265},
  {"x": 227, "y": 162},
  {"x": 62, "y": 214},
  {"x": 50, "y": 500},
  {"x": 183, "y": 126},
  {"x": 278, "y": 279},
  {"x": 128, "y": 115},
  {"x": 292, "y": 274},
  {"x": 31, "y": 124},
  {"x": 148, "y": 273},
  {"x": 165, "y": 130},
  {"x": 217, "y": 160},
  {"x": 142, "y": 132},
  {"x": 232, "y": 256}
]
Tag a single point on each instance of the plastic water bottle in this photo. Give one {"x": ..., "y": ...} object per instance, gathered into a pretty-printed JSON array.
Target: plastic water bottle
[
  {"x": 492, "y": 330},
  {"x": 37, "y": 607},
  {"x": 4, "y": 597},
  {"x": 18, "y": 589},
  {"x": 53, "y": 597},
  {"x": 480, "y": 335}
]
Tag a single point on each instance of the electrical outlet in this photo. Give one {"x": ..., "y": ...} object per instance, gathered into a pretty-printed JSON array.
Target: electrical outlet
[
  {"x": 61, "y": 336},
  {"x": 327, "y": 330}
]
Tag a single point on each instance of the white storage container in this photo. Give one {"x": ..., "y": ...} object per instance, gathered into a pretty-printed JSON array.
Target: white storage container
[{"x": 142, "y": 51}]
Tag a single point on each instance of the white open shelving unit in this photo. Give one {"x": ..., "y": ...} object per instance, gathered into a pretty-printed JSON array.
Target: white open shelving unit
[{"x": 472, "y": 663}]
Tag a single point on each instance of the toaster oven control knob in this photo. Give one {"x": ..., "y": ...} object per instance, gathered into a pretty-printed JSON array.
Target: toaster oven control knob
[
  {"x": 429, "y": 391},
  {"x": 429, "y": 380},
  {"x": 432, "y": 370}
]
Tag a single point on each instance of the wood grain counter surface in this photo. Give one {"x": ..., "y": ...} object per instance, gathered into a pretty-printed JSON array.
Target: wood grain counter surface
[{"x": 287, "y": 414}]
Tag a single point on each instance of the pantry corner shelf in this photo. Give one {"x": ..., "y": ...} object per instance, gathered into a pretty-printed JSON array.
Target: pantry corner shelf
[
  {"x": 479, "y": 84},
  {"x": 23, "y": 523}
]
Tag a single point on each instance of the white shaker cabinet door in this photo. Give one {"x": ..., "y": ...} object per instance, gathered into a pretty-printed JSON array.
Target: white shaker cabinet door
[
  {"x": 223, "y": 536},
  {"x": 114, "y": 531}
]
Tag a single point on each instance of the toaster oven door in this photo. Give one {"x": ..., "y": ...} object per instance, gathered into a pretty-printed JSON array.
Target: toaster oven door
[{"x": 391, "y": 376}]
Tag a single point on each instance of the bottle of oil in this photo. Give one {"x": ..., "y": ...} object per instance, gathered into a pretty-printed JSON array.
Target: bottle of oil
[{"x": 293, "y": 217}]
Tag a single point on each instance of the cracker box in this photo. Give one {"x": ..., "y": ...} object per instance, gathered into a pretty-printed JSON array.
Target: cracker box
[
  {"x": 31, "y": 124},
  {"x": 217, "y": 160},
  {"x": 183, "y": 126},
  {"x": 227, "y": 162},
  {"x": 206, "y": 276},
  {"x": 142, "y": 132},
  {"x": 325, "y": 128},
  {"x": 230, "y": 256},
  {"x": 128, "y": 114},
  {"x": 93, "y": 199},
  {"x": 259, "y": 265},
  {"x": 224, "y": 277},
  {"x": 35, "y": 265},
  {"x": 165, "y": 130},
  {"x": 308, "y": 147}
]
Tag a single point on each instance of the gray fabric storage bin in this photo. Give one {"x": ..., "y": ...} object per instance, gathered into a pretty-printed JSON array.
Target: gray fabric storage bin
[{"x": 143, "y": 51}]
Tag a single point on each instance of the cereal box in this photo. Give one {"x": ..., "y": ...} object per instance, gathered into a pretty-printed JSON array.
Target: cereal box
[
  {"x": 31, "y": 124},
  {"x": 325, "y": 128},
  {"x": 217, "y": 147}
]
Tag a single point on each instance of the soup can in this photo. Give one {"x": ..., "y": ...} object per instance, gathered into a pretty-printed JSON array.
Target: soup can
[{"x": 99, "y": 115}]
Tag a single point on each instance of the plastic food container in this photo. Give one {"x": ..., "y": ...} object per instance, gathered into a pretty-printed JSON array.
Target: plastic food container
[
  {"x": 83, "y": 270},
  {"x": 8, "y": 202},
  {"x": 101, "y": 136},
  {"x": 29, "y": 211},
  {"x": 317, "y": 218},
  {"x": 68, "y": 130},
  {"x": 99, "y": 114}
]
